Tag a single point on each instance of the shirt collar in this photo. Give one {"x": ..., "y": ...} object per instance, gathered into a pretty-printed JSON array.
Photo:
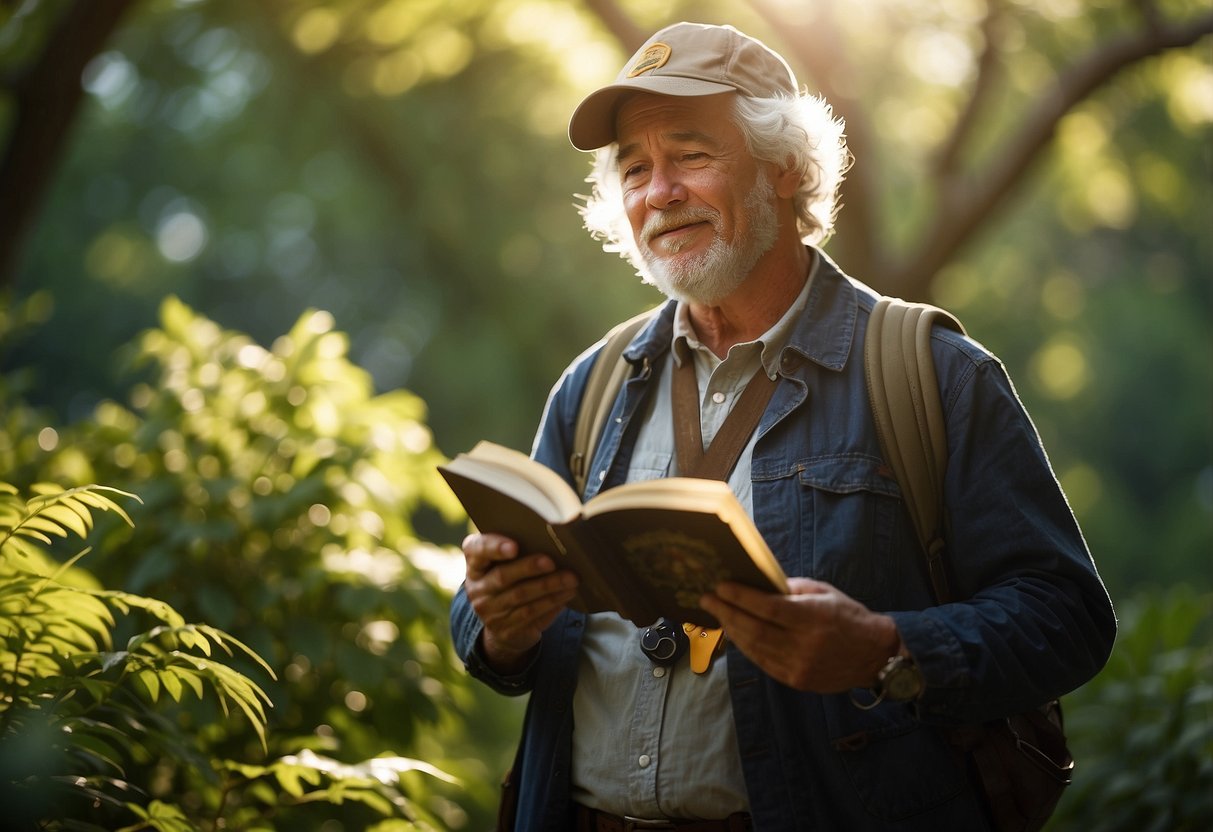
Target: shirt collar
[
  {"x": 824, "y": 334},
  {"x": 771, "y": 342}
]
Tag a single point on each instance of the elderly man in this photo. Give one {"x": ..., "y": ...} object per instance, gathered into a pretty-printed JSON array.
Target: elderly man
[{"x": 716, "y": 177}]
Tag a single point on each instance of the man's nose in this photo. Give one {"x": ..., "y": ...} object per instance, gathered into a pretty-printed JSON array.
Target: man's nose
[{"x": 665, "y": 187}]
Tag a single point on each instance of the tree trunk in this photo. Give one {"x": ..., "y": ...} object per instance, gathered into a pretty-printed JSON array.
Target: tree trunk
[{"x": 46, "y": 95}]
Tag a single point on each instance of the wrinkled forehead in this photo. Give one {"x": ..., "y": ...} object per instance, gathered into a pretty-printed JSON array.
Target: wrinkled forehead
[{"x": 647, "y": 119}]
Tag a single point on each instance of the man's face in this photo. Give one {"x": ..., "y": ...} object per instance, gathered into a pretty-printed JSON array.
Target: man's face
[{"x": 701, "y": 209}]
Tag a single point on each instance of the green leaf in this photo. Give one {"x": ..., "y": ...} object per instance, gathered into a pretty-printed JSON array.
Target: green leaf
[
  {"x": 388, "y": 769},
  {"x": 32, "y": 534},
  {"x": 98, "y": 689},
  {"x": 250, "y": 772},
  {"x": 152, "y": 606},
  {"x": 165, "y": 817},
  {"x": 93, "y": 495},
  {"x": 225, "y": 638},
  {"x": 68, "y": 518},
  {"x": 111, "y": 660},
  {"x": 150, "y": 680},
  {"x": 188, "y": 676},
  {"x": 232, "y": 686},
  {"x": 290, "y": 778},
  {"x": 172, "y": 684},
  {"x": 98, "y": 749},
  {"x": 190, "y": 637},
  {"x": 139, "y": 812}
]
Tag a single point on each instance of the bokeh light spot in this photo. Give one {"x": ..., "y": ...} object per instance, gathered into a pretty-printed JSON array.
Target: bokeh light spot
[
  {"x": 181, "y": 236},
  {"x": 316, "y": 30},
  {"x": 1060, "y": 368}
]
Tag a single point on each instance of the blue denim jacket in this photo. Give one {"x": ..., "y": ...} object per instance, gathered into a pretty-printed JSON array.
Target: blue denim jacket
[{"x": 1036, "y": 621}]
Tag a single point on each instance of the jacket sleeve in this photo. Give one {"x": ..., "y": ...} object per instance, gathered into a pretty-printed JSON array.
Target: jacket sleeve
[{"x": 1031, "y": 619}]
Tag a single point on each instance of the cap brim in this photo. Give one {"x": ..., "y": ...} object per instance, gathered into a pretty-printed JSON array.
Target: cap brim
[{"x": 592, "y": 124}]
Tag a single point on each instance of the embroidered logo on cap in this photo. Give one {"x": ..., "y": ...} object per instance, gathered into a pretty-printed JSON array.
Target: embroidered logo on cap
[{"x": 653, "y": 58}]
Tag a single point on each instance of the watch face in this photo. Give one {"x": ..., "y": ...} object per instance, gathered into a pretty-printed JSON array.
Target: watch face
[
  {"x": 902, "y": 686},
  {"x": 901, "y": 679}
]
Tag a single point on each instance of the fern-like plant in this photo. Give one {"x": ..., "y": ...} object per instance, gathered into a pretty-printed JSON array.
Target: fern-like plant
[{"x": 75, "y": 710}]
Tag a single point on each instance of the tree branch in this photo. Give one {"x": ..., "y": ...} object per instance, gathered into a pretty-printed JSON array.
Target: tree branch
[
  {"x": 987, "y": 73},
  {"x": 630, "y": 36},
  {"x": 1150, "y": 14},
  {"x": 816, "y": 45},
  {"x": 962, "y": 212}
]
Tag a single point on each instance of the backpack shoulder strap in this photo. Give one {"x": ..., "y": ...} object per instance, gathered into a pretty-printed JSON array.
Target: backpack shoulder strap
[
  {"x": 607, "y": 375},
  {"x": 904, "y": 395}
]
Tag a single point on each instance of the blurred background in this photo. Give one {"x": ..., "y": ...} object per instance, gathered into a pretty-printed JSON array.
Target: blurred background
[{"x": 262, "y": 265}]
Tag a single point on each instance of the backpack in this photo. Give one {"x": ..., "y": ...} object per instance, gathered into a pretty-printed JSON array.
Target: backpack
[
  {"x": 607, "y": 375},
  {"x": 1021, "y": 763}
]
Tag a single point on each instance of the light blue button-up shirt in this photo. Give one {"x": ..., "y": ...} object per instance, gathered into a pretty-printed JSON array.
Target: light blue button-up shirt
[{"x": 651, "y": 741}]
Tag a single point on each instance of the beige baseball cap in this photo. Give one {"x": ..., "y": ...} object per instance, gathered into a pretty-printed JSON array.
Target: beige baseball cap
[{"x": 683, "y": 59}]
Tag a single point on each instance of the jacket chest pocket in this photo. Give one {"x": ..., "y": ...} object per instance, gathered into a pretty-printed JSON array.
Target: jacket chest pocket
[{"x": 847, "y": 525}]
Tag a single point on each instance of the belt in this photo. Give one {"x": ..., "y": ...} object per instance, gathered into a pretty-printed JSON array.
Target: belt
[{"x": 592, "y": 820}]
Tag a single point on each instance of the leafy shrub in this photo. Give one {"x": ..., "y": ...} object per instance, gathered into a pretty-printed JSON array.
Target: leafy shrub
[
  {"x": 74, "y": 711},
  {"x": 77, "y": 714},
  {"x": 280, "y": 497},
  {"x": 1142, "y": 731}
]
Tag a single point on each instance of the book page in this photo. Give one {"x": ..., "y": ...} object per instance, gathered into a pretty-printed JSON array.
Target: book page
[
  {"x": 680, "y": 493},
  {"x": 528, "y": 481}
]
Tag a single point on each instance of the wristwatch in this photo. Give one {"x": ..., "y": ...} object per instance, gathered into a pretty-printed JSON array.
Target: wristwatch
[{"x": 899, "y": 680}]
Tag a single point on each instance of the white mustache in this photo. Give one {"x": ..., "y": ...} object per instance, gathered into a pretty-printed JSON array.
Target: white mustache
[{"x": 688, "y": 215}]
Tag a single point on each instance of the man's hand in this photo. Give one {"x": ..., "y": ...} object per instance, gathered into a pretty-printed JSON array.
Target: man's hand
[
  {"x": 516, "y": 597},
  {"x": 816, "y": 638}
]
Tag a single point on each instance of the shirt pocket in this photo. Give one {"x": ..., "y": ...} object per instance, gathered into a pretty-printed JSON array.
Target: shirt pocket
[
  {"x": 848, "y": 515},
  {"x": 648, "y": 465}
]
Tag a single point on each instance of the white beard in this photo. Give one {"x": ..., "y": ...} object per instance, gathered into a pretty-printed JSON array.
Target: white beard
[{"x": 716, "y": 272}]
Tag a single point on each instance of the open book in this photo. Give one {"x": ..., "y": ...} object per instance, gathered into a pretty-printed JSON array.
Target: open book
[{"x": 645, "y": 549}]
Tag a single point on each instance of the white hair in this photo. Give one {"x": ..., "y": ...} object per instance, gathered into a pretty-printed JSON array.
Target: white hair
[{"x": 800, "y": 132}]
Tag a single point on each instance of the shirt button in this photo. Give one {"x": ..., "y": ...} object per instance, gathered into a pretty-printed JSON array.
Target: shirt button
[
  {"x": 718, "y": 397},
  {"x": 659, "y": 672},
  {"x": 644, "y": 760}
]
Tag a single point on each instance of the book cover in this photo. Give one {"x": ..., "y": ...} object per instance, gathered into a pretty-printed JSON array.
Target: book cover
[{"x": 644, "y": 550}]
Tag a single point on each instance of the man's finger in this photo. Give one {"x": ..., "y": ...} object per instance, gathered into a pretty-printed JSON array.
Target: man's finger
[
  {"x": 483, "y": 552},
  {"x": 784, "y": 611}
]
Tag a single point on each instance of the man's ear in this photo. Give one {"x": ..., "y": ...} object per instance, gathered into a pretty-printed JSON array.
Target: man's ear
[{"x": 786, "y": 181}]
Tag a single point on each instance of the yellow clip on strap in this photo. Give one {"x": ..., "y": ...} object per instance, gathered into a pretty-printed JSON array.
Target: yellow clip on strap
[{"x": 705, "y": 642}]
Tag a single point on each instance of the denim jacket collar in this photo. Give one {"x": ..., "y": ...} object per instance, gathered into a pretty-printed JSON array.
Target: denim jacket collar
[{"x": 832, "y": 299}]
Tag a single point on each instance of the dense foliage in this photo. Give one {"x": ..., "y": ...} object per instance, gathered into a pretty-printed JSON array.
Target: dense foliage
[
  {"x": 277, "y": 503},
  {"x": 1143, "y": 730}
]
